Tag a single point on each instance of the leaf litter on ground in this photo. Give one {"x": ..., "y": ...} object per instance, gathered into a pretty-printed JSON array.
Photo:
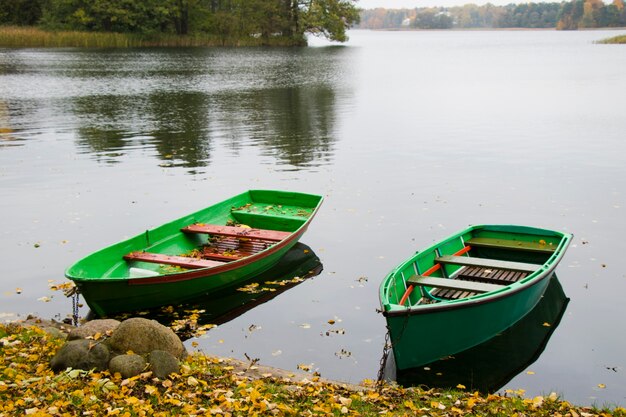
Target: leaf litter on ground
[{"x": 214, "y": 386}]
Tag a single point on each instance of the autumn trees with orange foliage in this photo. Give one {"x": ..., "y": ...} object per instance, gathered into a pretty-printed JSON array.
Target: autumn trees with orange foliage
[{"x": 591, "y": 14}]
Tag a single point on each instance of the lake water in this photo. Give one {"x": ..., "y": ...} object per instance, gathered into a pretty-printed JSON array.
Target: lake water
[{"x": 410, "y": 136}]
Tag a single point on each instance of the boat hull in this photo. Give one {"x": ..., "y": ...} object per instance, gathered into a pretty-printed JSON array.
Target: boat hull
[
  {"x": 107, "y": 283},
  {"x": 491, "y": 365},
  {"x": 423, "y": 333}
]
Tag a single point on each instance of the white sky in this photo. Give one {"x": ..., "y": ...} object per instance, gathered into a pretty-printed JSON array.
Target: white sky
[{"x": 410, "y": 4}]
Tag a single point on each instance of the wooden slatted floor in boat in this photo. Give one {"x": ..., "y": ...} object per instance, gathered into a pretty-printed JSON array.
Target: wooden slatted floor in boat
[
  {"x": 230, "y": 248},
  {"x": 490, "y": 275},
  {"x": 479, "y": 274},
  {"x": 227, "y": 244}
]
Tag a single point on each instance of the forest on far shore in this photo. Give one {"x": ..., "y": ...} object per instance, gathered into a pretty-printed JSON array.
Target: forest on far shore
[{"x": 568, "y": 15}]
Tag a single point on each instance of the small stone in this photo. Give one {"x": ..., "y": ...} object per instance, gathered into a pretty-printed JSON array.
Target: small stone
[
  {"x": 163, "y": 363},
  {"x": 127, "y": 365},
  {"x": 81, "y": 354},
  {"x": 55, "y": 333}
]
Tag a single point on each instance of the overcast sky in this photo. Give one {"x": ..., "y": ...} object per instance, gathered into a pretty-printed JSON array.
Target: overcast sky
[{"x": 410, "y": 4}]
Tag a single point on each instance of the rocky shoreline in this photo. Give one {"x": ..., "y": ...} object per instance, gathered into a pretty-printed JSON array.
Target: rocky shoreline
[{"x": 79, "y": 352}]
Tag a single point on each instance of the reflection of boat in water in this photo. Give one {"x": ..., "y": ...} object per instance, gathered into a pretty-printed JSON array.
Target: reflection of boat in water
[
  {"x": 492, "y": 364},
  {"x": 297, "y": 265}
]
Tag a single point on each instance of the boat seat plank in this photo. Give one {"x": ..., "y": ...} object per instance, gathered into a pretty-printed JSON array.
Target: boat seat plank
[
  {"x": 235, "y": 231},
  {"x": 487, "y": 263},
  {"x": 485, "y": 242},
  {"x": 452, "y": 284},
  {"x": 182, "y": 261}
]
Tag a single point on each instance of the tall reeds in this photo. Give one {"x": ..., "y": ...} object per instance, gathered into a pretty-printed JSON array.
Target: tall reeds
[
  {"x": 30, "y": 37},
  {"x": 12, "y": 36}
]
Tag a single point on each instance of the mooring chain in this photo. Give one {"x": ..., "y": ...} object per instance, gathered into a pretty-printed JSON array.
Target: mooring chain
[
  {"x": 383, "y": 360},
  {"x": 75, "y": 306}
]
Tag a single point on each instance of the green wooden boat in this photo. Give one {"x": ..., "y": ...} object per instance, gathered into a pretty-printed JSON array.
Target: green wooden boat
[
  {"x": 467, "y": 288},
  {"x": 214, "y": 248}
]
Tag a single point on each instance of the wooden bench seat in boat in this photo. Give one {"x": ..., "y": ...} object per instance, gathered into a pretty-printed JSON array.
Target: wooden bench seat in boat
[
  {"x": 453, "y": 284},
  {"x": 235, "y": 231},
  {"x": 182, "y": 261},
  {"x": 487, "y": 263},
  {"x": 485, "y": 242}
]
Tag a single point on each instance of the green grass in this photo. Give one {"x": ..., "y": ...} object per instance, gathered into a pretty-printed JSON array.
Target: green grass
[{"x": 30, "y": 37}]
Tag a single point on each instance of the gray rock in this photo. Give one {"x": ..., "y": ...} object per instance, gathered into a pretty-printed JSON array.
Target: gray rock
[
  {"x": 90, "y": 328},
  {"x": 127, "y": 365},
  {"x": 163, "y": 363},
  {"x": 81, "y": 354},
  {"x": 142, "y": 336},
  {"x": 55, "y": 333}
]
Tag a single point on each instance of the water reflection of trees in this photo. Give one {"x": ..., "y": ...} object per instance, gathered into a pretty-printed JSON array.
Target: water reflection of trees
[{"x": 293, "y": 124}]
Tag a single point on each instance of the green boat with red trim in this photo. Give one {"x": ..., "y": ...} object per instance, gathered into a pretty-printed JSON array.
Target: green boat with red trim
[
  {"x": 220, "y": 246},
  {"x": 466, "y": 289}
]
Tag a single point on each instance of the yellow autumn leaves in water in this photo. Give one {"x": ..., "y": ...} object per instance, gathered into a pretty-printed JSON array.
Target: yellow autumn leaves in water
[
  {"x": 212, "y": 387},
  {"x": 255, "y": 287}
]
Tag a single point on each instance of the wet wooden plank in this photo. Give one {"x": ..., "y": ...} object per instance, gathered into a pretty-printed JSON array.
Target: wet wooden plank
[
  {"x": 235, "y": 231},
  {"x": 487, "y": 263},
  {"x": 485, "y": 242},
  {"x": 182, "y": 261},
  {"x": 453, "y": 284}
]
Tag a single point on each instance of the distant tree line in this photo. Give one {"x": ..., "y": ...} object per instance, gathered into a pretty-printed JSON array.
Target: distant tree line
[
  {"x": 230, "y": 19},
  {"x": 566, "y": 15}
]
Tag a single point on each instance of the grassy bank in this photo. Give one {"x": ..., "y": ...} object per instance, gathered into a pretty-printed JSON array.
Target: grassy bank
[
  {"x": 212, "y": 386},
  {"x": 29, "y": 37},
  {"x": 615, "y": 39}
]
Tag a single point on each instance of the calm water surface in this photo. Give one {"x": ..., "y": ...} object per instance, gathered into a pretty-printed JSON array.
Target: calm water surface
[{"x": 409, "y": 136}]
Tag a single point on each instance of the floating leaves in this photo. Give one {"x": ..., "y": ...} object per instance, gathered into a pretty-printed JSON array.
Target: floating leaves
[
  {"x": 251, "y": 288},
  {"x": 343, "y": 353},
  {"x": 305, "y": 367},
  {"x": 189, "y": 326},
  {"x": 254, "y": 327},
  {"x": 335, "y": 331},
  {"x": 256, "y": 288}
]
